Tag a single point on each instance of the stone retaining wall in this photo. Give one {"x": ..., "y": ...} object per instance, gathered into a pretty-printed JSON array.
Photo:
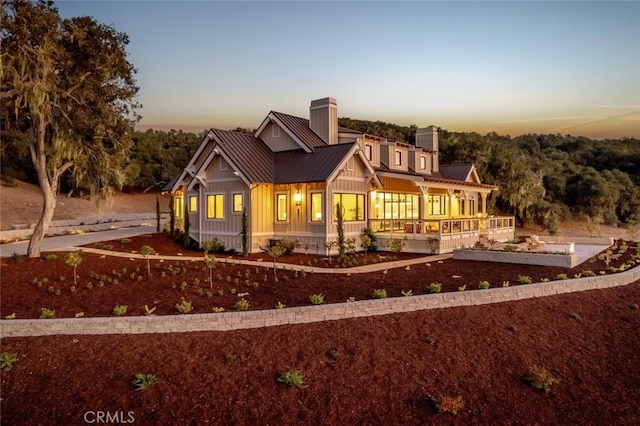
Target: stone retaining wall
[
  {"x": 533, "y": 258},
  {"x": 306, "y": 314}
]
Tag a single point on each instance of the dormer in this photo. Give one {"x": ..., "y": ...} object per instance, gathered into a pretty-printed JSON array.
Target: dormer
[
  {"x": 420, "y": 161},
  {"x": 427, "y": 139},
  {"x": 395, "y": 155},
  {"x": 370, "y": 146}
]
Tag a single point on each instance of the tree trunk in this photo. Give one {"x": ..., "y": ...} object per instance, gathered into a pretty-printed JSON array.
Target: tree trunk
[
  {"x": 39, "y": 231},
  {"x": 49, "y": 189}
]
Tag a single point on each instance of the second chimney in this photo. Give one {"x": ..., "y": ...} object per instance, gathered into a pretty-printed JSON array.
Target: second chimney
[{"x": 323, "y": 119}]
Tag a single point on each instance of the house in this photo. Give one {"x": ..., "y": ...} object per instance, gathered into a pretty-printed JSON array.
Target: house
[{"x": 290, "y": 175}]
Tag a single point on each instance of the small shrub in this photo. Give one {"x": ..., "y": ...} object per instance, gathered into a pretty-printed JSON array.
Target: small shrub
[
  {"x": 540, "y": 379},
  {"x": 483, "y": 285},
  {"x": 431, "y": 341},
  {"x": 351, "y": 299},
  {"x": 79, "y": 314},
  {"x": 505, "y": 283},
  {"x": 11, "y": 316},
  {"x": 562, "y": 277},
  {"x": 280, "y": 305},
  {"x": 524, "y": 279},
  {"x": 124, "y": 240},
  {"x": 379, "y": 293},
  {"x": 576, "y": 316},
  {"x": 288, "y": 246},
  {"x": 334, "y": 354},
  {"x": 230, "y": 358},
  {"x": 52, "y": 256},
  {"x": 17, "y": 257},
  {"x": 435, "y": 287},
  {"x": 47, "y": 313},
  {"x": 242, "y": 305},
  {"x": 510, "y": 249},
  {"x": 396, "y": 245},
  {"x": 462, "y": 288},
  {"x": 292, "y": 379},
  {"x": 513, "y": 327},
  {"x": 316, "y": 299},
  {"x": 107, "y": 247},
  {"x": 184, "y": 307},
  {"x": 213, "y": 246},
  {"x": 143, "y": 381},
  {"x": 120, "y": 310},
  {"x": 448, "y": 404},
  {"x": 407, "y": 293},
  {"x": 217, "y": 309},
  {"x": 7, "y": 360}
]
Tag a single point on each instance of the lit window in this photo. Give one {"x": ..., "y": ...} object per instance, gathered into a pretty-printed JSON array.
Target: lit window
[
  {"x": 177, "y": 206},
  {"x": 193, "y": 203},
  {"x": 352, "y": 206},
  {"x": 423, "y": 162},
  {"x": 368, "y": 152},
  {"x": 437, "y": 205},
  {"x": 238, "y": 203},
  {"x": 461, "y": 205},
  {"x": 215, "y": 206},
  {"x": 316, "y": 207},
  {"x": 281, "y": 206},
  {"x": 398, "y": 158}
]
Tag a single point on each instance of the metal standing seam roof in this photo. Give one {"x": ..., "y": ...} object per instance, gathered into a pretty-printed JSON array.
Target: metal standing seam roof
[
  {"x": 249, "y": 154},
  {"x": 300, "y": 127},
  {"x": 298, "y": 166},
  {"x": 456, "y": 171}
]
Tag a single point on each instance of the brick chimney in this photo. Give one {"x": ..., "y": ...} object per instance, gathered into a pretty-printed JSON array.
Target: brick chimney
[
  {"x": 323, "y": 119},
  {"x": 427, "y": 138}
]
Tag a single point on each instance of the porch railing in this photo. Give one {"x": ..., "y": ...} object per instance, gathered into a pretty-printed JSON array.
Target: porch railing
[{"x": 487, "y": 226}]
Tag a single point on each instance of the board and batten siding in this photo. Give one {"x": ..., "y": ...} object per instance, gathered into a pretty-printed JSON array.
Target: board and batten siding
[
  {"x": 352, "y": 181},
  {"x": 277, "y": 140},
  {"x": 220, "y": 179},
  {"x": 261, "y": 215}
]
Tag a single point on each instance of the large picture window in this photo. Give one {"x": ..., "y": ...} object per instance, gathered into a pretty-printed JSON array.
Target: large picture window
[
  {"x": 391, "y": 205},
  {"x": 352, "y": 205},
  {"x": 281, "y": 207},
  {"x": 316, "y": 207},
  {"x": 215, "y": 206}
]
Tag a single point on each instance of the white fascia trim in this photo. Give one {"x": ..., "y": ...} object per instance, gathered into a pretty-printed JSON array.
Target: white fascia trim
[
  {"x": 200, "y": 174},
  {"x": 262, "y": 126},
  {"x": 291, "y": 135},
  {"x": 355, "y": 150},
  {"x": 203, "y": 144}
]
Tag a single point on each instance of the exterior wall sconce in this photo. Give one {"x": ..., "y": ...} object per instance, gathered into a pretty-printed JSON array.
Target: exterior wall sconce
[{"x": 297, "y": 198}]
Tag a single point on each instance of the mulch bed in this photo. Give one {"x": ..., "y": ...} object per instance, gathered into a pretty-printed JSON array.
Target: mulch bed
[{"x": 104, "y": 282}]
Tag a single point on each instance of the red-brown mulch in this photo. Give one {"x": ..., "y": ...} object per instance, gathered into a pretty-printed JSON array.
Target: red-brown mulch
[
  {"x": 386, "y": 371},
  {"x": 106, "y": 281}
]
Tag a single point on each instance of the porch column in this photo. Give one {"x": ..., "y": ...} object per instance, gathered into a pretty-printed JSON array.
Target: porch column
[
  {"x": 450, "y": 202},
  {"x": 483, "y": 203}
]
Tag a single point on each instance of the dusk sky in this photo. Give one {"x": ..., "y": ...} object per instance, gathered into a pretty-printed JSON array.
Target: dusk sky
[{"x": 510, "y": 67}]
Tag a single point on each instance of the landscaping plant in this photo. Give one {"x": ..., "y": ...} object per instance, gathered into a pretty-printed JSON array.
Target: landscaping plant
[
  {"x": 540, "y": 379},
  {"x": 316, "y": 299},
  {"x": 147, "y": 251},
  {"x": 292, "y": 379},
  {"x": 448, "y": 404},
  {"x": 74, "y": 259},
  {"x": 141, "y": 381},
  {"x": 7, "y": 359}
]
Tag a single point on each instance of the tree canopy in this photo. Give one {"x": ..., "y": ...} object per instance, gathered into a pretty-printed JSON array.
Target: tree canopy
[{"x": 68, "y": 98}]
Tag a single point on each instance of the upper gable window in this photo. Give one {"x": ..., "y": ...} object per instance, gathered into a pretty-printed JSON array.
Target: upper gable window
[
  {"x": 223, "y": 164},
  {"x": 398, "y": 155},
  {"x": 368, "y": 152},
  {"x": 275, "y": 131},
  {"x": 350, "y": 164}
]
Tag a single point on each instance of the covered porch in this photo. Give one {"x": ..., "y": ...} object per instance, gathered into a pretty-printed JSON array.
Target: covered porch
[{"x": 442, "y": 235}]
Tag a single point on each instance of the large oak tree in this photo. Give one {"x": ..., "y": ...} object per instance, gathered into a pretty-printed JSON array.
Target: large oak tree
[{"x": 68, "y": 94}]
